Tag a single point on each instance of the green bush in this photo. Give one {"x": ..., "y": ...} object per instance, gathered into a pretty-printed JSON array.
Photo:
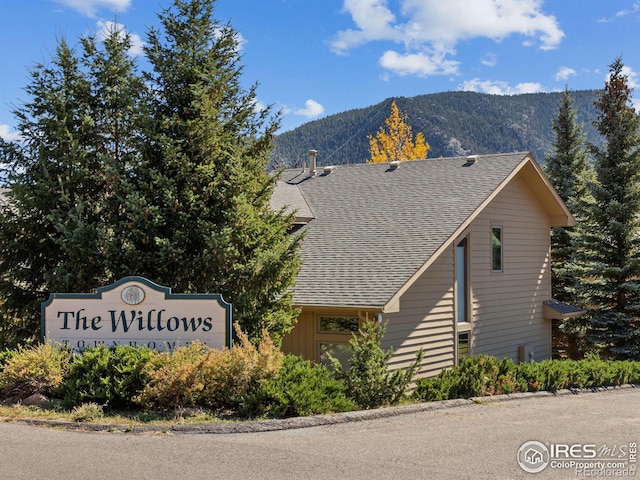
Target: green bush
[
  {"x": 475, "y": 377},
  {"x": 368, "y": 380},
  {"x": 30, "y": 370},
  {"x": 480, "y": 375},
  {"x": 5, "y": 355},
  {"x": 106, "y": 376},
  {"x": 301, "y": 388}
]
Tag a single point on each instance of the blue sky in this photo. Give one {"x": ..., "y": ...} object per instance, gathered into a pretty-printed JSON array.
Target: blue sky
[{"x": 314, "y": 58}]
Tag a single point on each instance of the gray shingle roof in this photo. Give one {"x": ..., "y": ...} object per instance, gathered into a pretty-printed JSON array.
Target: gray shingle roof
[
  {"x": 290, "y": 198},
  {"x": 563, "y": 310},
  {"x": 374, "y": 227}
]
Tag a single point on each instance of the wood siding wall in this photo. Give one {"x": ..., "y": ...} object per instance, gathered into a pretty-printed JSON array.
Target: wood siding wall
[
  {"x": 507, "y": 306},
  {"x": 425, "y": 320}
]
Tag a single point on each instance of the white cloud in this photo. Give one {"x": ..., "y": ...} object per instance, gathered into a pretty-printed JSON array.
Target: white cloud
[
  {"x": 374, "y": 21},
  {"x": 419, "y": 64},
  {"x": 312, "y": 109},
  {"x": 564, "y": 73},
  {"x": 90, "y": 8},
  {"x": 621, "y": 13},
  {"x": 496, "y": 87},
  {"x": 489, "y": 60},
  {"x": 632, "y": 77},
  {"x": 433, "y": 28},
  {"x": 105, "y": 28},
  {"x": 7, "y": 134}
]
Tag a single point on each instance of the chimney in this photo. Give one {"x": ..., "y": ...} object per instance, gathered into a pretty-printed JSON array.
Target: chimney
[{"x": 312, "y": 162}]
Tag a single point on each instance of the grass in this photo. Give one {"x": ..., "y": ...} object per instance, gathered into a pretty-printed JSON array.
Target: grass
[{"x": 52, "y": 411}]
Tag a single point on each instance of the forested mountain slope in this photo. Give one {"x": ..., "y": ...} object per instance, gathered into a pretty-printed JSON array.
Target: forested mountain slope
[{"x": 454, "y": 123}]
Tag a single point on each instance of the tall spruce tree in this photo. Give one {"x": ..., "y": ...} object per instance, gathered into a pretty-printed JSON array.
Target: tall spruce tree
[
  {"x": 197, "y": 212},
  {"x": 160, "y": 174},
  {"x": 613, "y": 228},
  {"x": 49, "y": 234},
  {"x": 567, "y": 169}
]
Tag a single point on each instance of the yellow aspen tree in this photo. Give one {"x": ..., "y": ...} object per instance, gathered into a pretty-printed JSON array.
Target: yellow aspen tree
[{"x": 396, "y": 142}]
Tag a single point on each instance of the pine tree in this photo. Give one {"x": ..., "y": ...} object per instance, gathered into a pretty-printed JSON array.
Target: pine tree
[
  {"x": 55, "y": 183},
  {"x": 567, "y": 169},
  {"x": 161, "y": 175},
  {"x": 197, "y": 211},
  {"x": 612, "y": 224},
  {"x": 396, "y": 143}
]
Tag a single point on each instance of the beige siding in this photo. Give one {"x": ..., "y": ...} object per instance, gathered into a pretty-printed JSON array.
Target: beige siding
[
  {"x": 507, "y": 306},
  {"x": 305, "y": 338},
  {"x": 425, "y": 320}
]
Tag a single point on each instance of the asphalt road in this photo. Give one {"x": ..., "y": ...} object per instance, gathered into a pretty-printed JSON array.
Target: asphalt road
[{"x": 474, "y": 441}]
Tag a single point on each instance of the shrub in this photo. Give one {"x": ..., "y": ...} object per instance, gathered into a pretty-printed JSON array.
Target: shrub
[
  {"x": 173, "y": 378},
  {"x": 228, "y": 375},
  {"x": 31, "y": 370},
  {"x": 106, "y": 376},
  {"x": 5, "y": 355},
  {"x": 196, "y": 375},
  {"x": 475, "y": 376},
  {"x": 87, "y": 412},
  {"x": 300, "y": 388},
  {"x": 480, "y": 375},
  {"x": 368, "y": 380}
]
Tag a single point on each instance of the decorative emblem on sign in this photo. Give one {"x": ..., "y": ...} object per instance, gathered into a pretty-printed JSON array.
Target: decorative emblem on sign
[{"x": 133, "y": 295}]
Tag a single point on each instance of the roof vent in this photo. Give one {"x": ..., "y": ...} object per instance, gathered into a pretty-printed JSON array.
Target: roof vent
[
  {"x": 312, "y": 162},
  {"x": 471, "y": 159},
  {"x": 393, "y": 165},
  {"x": 329, "y": 169}
]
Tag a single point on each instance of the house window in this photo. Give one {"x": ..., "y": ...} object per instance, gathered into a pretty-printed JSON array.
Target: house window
[
  {"x": 333, "y": 335},
  {"x": 338, "y": 324},
  {"x": 496, "y": 249},
  {"x": 463, "y": 345},
  {"x": 339, "y": 351},
  {"x": 462, "y": 281}
]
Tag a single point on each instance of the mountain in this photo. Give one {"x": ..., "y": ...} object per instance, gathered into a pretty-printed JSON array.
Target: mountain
[{"x": 454, "y": 123}]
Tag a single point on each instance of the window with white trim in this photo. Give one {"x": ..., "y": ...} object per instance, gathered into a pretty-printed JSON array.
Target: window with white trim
[
  {"x": 496, "y": 248},
  {"x": 462, "y": 281}
]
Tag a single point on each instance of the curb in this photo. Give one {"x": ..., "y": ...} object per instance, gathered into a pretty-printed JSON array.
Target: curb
[{"x": 256, "y": 426}]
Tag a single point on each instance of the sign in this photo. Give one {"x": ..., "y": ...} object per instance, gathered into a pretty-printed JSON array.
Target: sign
[{"x": 135, "y": 311}]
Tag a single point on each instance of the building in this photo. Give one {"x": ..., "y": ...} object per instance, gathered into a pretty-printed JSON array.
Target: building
[{"x": 453, "y": 254}]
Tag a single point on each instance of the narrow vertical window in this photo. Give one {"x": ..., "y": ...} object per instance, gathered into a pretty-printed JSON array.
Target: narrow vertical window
[
  {"x": 463, "y": 345},
  {"x": 496, "y": 249},
  {"x": 462, "y": 281}
]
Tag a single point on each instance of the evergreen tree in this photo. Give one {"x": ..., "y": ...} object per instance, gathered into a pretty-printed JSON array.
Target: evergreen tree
[
  {"x": 612, "y": 226},
  {"x": 397, "y": 142},
  {"x": 197, "y": 210},
  {"x": 48, "y": 238},
  {"x": 567, "y": 169},
  {"x": 161, "y": 175}
]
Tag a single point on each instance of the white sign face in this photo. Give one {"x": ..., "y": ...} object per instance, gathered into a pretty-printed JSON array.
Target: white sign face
[{"x": 136, "y": 311}]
